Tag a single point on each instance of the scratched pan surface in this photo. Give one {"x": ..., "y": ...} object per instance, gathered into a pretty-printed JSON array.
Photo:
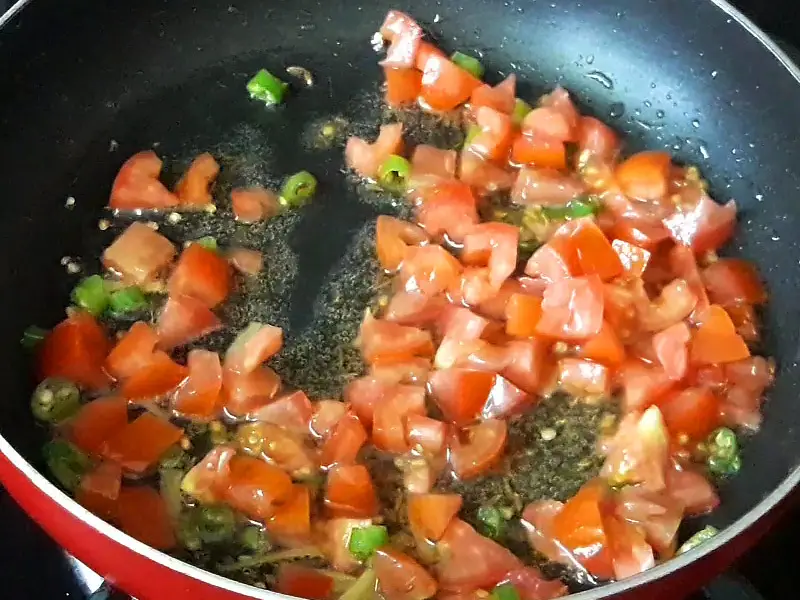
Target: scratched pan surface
[{"x": 86, "y": 83}]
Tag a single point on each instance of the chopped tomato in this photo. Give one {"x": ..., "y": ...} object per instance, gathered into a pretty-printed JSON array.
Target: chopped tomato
[
  {"x": 481, "y": 448},
  {"x": 704, "y": 227},
  {"x": 246, "y": 261},
  {"x": 402, "y": 86},
  {"x": 449, "y": 207},
  {"x": 254, "y": 345},
  {"x": 675, "y": 302},
  {"x": 657, "y": 513},
  {"x": 365, "y": 158},
  {"x": 642, "y": 385},
  {"x": 596, "y": 139},
  {"x": 336, "y": 540},
  {"x": 683, "y": 263},
  {"x": 254, "y": 204},
  {"x": 392, "y": 238},
  {"x": 139, "y": 254},
  {"x": 645, "y": 176},
  {"x": 349, "y": 492},
  {"x": 500, "y": 241},
  {"x": 527, "y": 365},
  {"x": 405, "y": 36},
  {"x": 493, "y": 139},
  {"x": 193, "y": 189},
  {"x": 445, "y": 85},
  {"x": 245, "y": 393},
  {"x": 692, "y": 490},
  {"x": 432, "y": 161},
  {"x": 428, "y": 269},
  {"x": 291, "y": 521},
  {"x": 364, "y": 393},
  {"x": 539, "y": 151},
  {"x": 644, "y": 233},
  {"x": 425, "y": 434},
  {"x": 634, "y": 258},
  {"x": 99, "y": 490},
  {"x": 501, "y": 97},
  {"x": 485, "y": 176},
  {"x": 560, "y": 100},
  {"x": 284, "y": 448},
  {"x": 384, "y": 342},
  {"x": 137, "y": 186},
  {"x": 142, "y": 514},
  {"x": 401, "y": 577},
  {"x": 342, "y": 447},
  {"x": 554, "y": 260},
  {"x": 389, "y": 418},
  {"x": 690, "y": 414},
  {"x": 582, "y": 377},
  {"x": 716, "y": 340},
  {"x": 505, "y": 400},
  {"x": 327, "y": 413},
  {"x": 207, "y": 481},
  {"x": 303, "y": 582},
  {"x": 572, "y": 308},
  {"x": 133, "y": 351},
  {"x": 430, "y": 514},
  {"x": 461, "y": 393},
  {"x": 97, "y": 422},
  {"x": 256, "y": 487},
  {"x": 732, "y": 281},
  {"x": 160, "y": 376},
  {"x": 537, "y": 519},
  {"x": 415, "y": 309},
  {"x": 290, "y": 411},
  {"x": 184, "y": 319},
  {"x": 604, "y": 348},
  {"x": 671, "y": 348},
  {"x": 545, "y": 187},
  {"x": 548, "y": 121},
  {"x": 595, "y": 254},
  {"x": 523, "y": 312},
  {"x": 76, "y": 350},
  {"x": 630, "y": 552},
  {"x": 470, "y": 561},
  {"x": 202, "y": 274},
  {"x": 638, "y": 451},
  {"x": 414, "y": 372},
  {"x": 140, "y": 444},
  {"x": 531, "y": 584},
  {"x": 199, "y": 396}
]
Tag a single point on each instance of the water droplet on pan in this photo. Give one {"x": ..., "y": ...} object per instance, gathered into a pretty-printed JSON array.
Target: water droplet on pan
[{"x": 602, "y": 79}]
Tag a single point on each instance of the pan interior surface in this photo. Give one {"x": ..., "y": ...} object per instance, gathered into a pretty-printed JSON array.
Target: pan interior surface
[{"x": 86, "y": 84}]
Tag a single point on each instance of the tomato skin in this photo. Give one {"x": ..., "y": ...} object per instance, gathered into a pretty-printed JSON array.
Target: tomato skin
[
  {"x": 199, "y": 395},
  {"x": 494, "y": 137},
  {"x": 389, "y": 418},
  {"x": 202, "y": 274},
  {"x": 461, "y": 393},
  {"x": 716, "y": 340},
  {"x": 207, "y": 481},
  {"x": 99, "y": 490},
  {"x": 137, "y": 186},
  {"x": 595, "y": 254},
  {"x": 142, "y": 514},
  {"x": 553, "y": 261},
  {"x": 706, "y": 226},
  {"x": 342, "y": 447},
  {"x": 432, "y": 161},
  {"x": 428, "y": 270},
  {"x": 184, "y": 319},
  {"x": 132, "y": 352},
  {"x": 523, "y": 312},
  {"x": 642, "y": 385},
  {"x": 160, "y": 376},
  {"x": 445, "y": 85},
  {"x": 482, "y": 450},
  {"x": 256, "y": 488},
  {"x": 693, "y": 412},
  {"x": 604, "y": 348},
  {"x": 583, "y": 377},
  {"x": 303, "y": 582},
  {"x": 448, "y": 207},
  {"x": 405, "y": 36},
  {"x": 139, "y": 254},
  {"x": 392, "y": 238},
  {"x": 671, "y": 348},
  {"x": 76, "y": 350},
  {"x": 349, "y": 492},
  {"x": 644, "y": 233},
  {"x": 657, "y": 513},
  {"x": 500, "y": 241},
  {"x": 384, "y": 342},
  {"x": 291, "y": 521},
  {"x": 675, "y": 303},
  {"x": 501, "y": 97},
  {"x": 545, "y": 187},
  {"x": 645, "y": 175},
  {"x": 425, "y": 434},
  {"x": 402, "y": 86},
  {"x": 98, "y": 421},
  {"x": 243, "y": 394},
  {"x": 548, "y": 121},
  {"x": 365, "y": 158},
  {"x": 538, "y": 151},
  {"x": 505, "y": 400},
  {"x": 572, "y": 308},
  {"x": 254, "y": 204},
  {"x": 732, "y": 281},
  {"x": 291, "y": 412},
  {"x": 251, "y": 349},
  {"x": 692, "y": 490},
  {"x": 630, "y": 552},
  {"x": 139, "y": 445},
  {"x": 401, "y": 577},
  {"x": 193, "y": 188},
  {"x": 634, "y": 259},
  {"x": 429, "y": 515},
  {"x": 597, "y": 139}
]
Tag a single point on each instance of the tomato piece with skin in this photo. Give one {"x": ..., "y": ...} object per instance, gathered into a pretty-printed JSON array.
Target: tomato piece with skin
[
  {"x": 645, "y": 175},
  {"x": 461, "y": 393},
  {"x": 243, "y": 394},
  {"x": 383, "y": 342},
  {"x": 137, "y": 186},
  {"x": 638, "y": 451},
  {"x": 630, "y": 552},
  {"x": 531, "y": 584},
  {"x": 704, "y": 227},
  {"x": 493, "y": 140},
  {"x": 642, "y": 385},
  {"x": 428, "y": 270},
  {"x": 402, "y": 86},
  {"x": 658, "y": 514},
  {"x": 676, "y": 302},
  {"x": 389, "y": 418},
  {"x": 326, "y": 414},
  {"x": 349, "y": 492},
  {"x": 303, "y": 582},
  {"x": 401, "y": 577},
  {"x": 634, "y": 259},
  {"x": 572, "y": 308},
  {"x": 471, "y": 561},
  {"x": 692, "y": 490},
  {"x": 364, "y": 393},
  {"x": 672, "y": 350},
  {"x": 484, "y": 176},
  {"x": 505, "y": 400},
  {"x": 415, "y": 309},
  {"x": 285, "y": 448},
  {"x": 202, "y": 274},
  {"x": 426, "y": 434},
  {"x": 405, "y": 36},
  {"x": 256, "y": 487},
  {"x": 139, "y": 445},
  {"x": 500, "y": 241},
  {"x": 596, "y": 139},
  {"x": 142, "y": 514},
  {"x": 527, "y": 365},
  {"x": 75, "y": 349},
  {"x": 365, "y": 158},
  {"x": 291, "y": 412},
  {"x": 132, "y": 352},
  {"x": 690, "y": 414},
  {"x": 445, "y": 85},
  {"x": 604, "y": 348},
  {"x": 392, "y": 237},
  {"x": 560, "y": 100},
  {"x": 140, "y": 255},
  {"x": 481, "y": 449},
  {"x": 246, "y": 261},
  {"x": 207, "y": 481},
  {"x": 99, "y": 490},
  {"x": 199, "y": 395},
  {"x": 540, "y": 151},
  {"x": 523, "y": 312},
  {"x": 732, "y": 281},
  {"x": 715, "y": 340},
  {"x": 252, "y": 347},
  {"x": 545, "y": 187},
  {"x": 254, "y": 204},
  {"x": 581, "y": 377},
  {"x": 448, "y": 207},
  {"x": 501, "y": 97},
  {"x": 553, "y": 261},
  {"x": 193, "y": 188},
  {"x": 432, "y": 161},
  {"x": 342, "y": 447},
  {"x": 97, "y": 422},
  {"x": 184, "y": 319},
  {"x": 158, "y": 378},
  {"x": 548, "y": 121},
  {"x": 595, "y": 254},
  {"x": 683, "y": 263},
  {"x": 290, "y": 524},
  {"x": 644, "y": 233}
]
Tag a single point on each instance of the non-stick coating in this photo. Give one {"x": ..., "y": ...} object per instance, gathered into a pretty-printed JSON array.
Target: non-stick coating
[{"x": 677, "y": 74}]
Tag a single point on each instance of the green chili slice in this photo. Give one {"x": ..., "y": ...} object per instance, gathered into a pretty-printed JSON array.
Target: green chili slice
[
  {"x": 55, "y": 399},
  {"x": 266, "y": 87},
  {"x": 364, "y": 541},
  {"x": 574, "y": 209},
  {"x": 505, "y": 591},
  {"x": 491, "y": 522},
  {"x": 254, "y": 539},
  {"x": 521, "y": 110},
  {"x": 394, "y": 173},
  {"x": 698, "y": 538},
  {"x": 209, "y": 242},
  {"x": 66, "y": 463},
  {"x": 33, "y": 336},
  {"x": 298, "y": 189},
  {"x": 127, "y": 300},
  {"x": 723, "y": 458},
  {"x": 469, "y": 63},
  {"x": 91, "y": 295}
]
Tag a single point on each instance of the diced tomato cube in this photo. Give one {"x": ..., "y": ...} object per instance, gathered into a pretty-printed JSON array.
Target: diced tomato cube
[
  {"x": 97, "y": 422},
  {"x": 193, "y": 189},
  {"x": 140, "y": 254},
  {"x": 133, "y": 351},
  {"x": 349, "y": 492},
  {"x": 137, "y": 186},
  {"x": 140, "y": 444},
  {"x": 202, "y": 274}
]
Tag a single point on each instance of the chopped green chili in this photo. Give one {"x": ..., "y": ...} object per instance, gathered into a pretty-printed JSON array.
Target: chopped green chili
[
  {"x": 394, "y": 173},
  {"x": 66, "y": 463},
  {"x": 209, "y": 242},
  {"x": 363, "y": 588},
  {"x": 521, "y": 110},
  {"x": 365, "y": 540},
  {"x": 574, "y": 209},
  {"x": 491, "y": 522},
  {"x": 33, "y": 336},
  {"x": 169, "y": 484},
  {"x": 55, "y": 399},
  {"x": 469, "y": 63},
  {"x": 215, "y": 524},
  {"x": 254, "y": 539},
  {"x": 698, "y": 538},
  {"x": 472, "y": 132},
  {"x": 91, "y": 295},
  {"x": 266, "y": 87},
  {"x": 298, "y": 189},
  {"x": 126, "y": 301},
  {"x": 723, "y": 458},
  {"x": 505, "y": 591}
]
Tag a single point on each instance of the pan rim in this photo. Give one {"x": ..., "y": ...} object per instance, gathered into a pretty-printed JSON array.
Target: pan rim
[{"x": 735, "y": 529}]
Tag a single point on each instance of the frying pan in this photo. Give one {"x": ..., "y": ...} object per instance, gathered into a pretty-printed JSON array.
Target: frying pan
[{"x": 84, "y": 84}]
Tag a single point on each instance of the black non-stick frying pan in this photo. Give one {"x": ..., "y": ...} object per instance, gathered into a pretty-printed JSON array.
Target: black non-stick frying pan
[{"x": 84, "y": 84}]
